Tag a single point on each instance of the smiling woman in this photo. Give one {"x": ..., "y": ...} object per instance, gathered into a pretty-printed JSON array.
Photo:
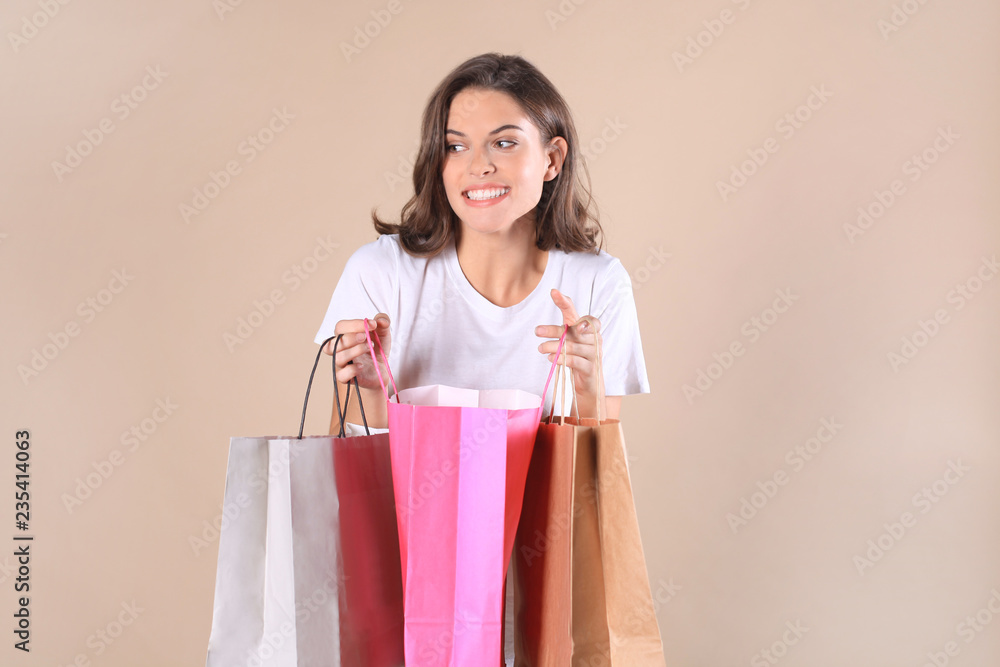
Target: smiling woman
[{"x": 499, "y": 240}]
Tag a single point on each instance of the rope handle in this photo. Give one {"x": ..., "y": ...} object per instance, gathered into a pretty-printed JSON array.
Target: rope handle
[
  {"x": 599, "y": 392},
  {"x": 560, "y": 382},
  {"x": 341, "y": 414},
  {"x": 545, "y": 389},
  {"x": 371, "y": 350}
]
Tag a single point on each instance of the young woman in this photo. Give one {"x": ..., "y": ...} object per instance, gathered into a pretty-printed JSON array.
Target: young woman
[{"x": 497, "y": 248}]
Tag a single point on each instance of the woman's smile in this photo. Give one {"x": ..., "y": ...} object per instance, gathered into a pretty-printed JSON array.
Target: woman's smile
[{"x": 485, "y": 195}]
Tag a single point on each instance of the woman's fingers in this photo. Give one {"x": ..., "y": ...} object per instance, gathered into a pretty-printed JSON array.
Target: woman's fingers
[
  {"x": 585, "y": 327},
  {"x": 579, "y": 348},
  {"x": 570, "y": 348},
  {"x": 581, "y": 365},
  {"x": 348, "y": 329},
  {"x": 348, "y": 353},
  {"x": 353, "y": 347},
  {"x": 565, "y": 305}
]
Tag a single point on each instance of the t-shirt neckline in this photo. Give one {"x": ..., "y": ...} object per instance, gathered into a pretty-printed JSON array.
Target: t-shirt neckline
[{"x": 484, "y": 305}]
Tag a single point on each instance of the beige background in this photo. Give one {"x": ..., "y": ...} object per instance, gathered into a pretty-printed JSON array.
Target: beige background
[{"x": 671, "y": 132}]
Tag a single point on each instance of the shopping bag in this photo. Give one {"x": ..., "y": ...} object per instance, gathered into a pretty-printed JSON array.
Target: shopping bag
[
  {"x": 459, "y": 461},
  {"x": 309, "y": 570},
  {"x": 581, "y": 592}
]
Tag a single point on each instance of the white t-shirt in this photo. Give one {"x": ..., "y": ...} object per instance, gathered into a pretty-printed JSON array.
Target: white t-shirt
[{"x": 445, "y": 332}]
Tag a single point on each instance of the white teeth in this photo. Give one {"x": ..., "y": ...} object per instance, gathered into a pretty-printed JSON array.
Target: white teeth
[{"x": 491, "y": 193}]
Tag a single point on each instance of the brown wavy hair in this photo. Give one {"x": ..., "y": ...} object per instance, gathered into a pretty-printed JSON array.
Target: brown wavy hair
[{"x": 565, "y": 217}]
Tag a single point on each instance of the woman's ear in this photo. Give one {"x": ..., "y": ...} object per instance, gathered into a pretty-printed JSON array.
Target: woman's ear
[{"x": 556, "y": 151}]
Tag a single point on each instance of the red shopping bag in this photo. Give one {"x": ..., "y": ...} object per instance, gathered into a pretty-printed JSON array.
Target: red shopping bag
[{"x": 459, "y": 462}]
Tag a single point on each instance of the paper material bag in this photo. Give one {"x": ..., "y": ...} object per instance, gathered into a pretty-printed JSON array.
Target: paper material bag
[
  {"x": 581, "y": 592},
  {"x": 309, "y": 570},
  {"x": 459, "y": 461}
]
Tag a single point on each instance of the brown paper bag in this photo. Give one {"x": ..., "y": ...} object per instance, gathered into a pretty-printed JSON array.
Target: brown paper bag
[{"x": 581, "y": 592}]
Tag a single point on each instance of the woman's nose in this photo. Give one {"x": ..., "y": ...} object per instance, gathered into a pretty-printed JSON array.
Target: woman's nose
[{"x": 480, "y": 162}]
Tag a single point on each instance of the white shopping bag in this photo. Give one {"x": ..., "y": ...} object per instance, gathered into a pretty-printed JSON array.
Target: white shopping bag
[{"x": 309, "y": 566}]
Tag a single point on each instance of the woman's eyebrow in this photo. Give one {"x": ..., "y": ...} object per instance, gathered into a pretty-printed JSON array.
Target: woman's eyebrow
[{"x": 500, "y": 129}]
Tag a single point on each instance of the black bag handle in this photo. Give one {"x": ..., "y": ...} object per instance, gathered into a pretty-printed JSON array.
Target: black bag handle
[{"x": 341, "y": 414}]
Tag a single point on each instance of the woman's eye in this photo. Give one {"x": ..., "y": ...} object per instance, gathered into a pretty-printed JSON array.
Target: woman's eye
[
  {"x": 453, "y": 148},
  {"x": 506, "y": 141}
]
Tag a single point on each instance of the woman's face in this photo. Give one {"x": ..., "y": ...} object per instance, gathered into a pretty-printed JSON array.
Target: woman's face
[{"x": 495, "y": 163}]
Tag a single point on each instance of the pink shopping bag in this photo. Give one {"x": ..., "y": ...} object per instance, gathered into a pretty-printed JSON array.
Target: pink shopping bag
[{"x": 459, "y": 462}]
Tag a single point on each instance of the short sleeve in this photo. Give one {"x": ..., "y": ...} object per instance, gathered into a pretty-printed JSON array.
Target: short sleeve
[
  {"x": 614, "y": 305},
  {"x": 366, "y": 287}
]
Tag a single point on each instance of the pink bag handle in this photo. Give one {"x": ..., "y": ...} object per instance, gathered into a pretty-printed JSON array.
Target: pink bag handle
[
  {"x": 371, "y": 350},
  {"x": 599, "y": 394},
  {"x": 560, "y": 389},
  {"x": 545, "y": 390}
]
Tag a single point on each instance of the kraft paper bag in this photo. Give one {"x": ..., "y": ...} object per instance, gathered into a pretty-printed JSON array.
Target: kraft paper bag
[
  {"x": 581, "y": 591},
  {"x": 309, "y": 570},
  {"x": 459, "y": 462}
]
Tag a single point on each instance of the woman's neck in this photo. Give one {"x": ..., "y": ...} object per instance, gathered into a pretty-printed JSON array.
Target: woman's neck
[{"x": 504, "y": 268}]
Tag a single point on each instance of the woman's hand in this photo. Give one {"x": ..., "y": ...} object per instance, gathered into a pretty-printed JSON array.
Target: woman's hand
[
  {"x": 580, "y": 351},
  {"x": 353, "y": 347}
]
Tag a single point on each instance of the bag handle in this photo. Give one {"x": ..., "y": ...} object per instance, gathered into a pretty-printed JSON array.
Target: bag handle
[
  {"x": 545, "y": 390},
  {"x": 371, "y": 350},
  {"x": 341, "y": 414},
  {"x": 560, "y": 388},
  {"x": 599, "y": 392},
  {"x": 560, "y": 382}
]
